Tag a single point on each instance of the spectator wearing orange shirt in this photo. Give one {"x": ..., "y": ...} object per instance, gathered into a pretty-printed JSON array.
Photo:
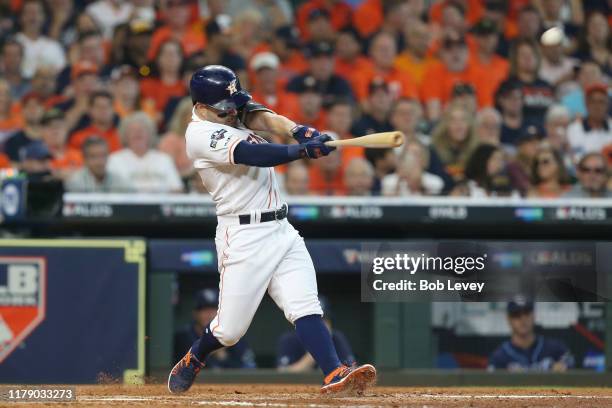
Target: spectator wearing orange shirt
[
  {"x": 166, "y": 79},
  {"x": 339, "y": 120},
  {"x": 296, "y": 180},
  {"x": 102, "y": 122},
  {"x": 490, "y": 65},
  {"x": 349, "y": 58},
  {"x": 268, "y": 90},
  {"x": 10, "y": 118},
  {"x": 65, "y": 160},
  {"x": 219, "y": 48},
  {"x": 441, "y": 77},
  {"x": 43, "y": 83},
  {"x": 339, "y": 13},
  {"x": 321, "y": 69},
  {"x": 285, "y": 43},
  {"x": 326, "y": 176},
  {"x": 176, "y": 27},
  {"x": 85, "y": 81},
  {"x": 368, "y": 17},
  {"x": 415, "y": 60},
  {"x": 90, "y": 48},
  {"x": 383, "y": 51},
  {"x": 125, "y": 88},
  {"x": 359, "y": 177}
]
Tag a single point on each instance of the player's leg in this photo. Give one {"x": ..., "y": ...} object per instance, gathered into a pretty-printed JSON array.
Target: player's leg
[
  {"x": 245, "y": 267},
  {"x": 294, "y": 289}
]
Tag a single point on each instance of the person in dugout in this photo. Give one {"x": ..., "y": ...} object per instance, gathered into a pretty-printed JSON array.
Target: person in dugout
[
  {"x": 240, "y": 355},
  {"x": 526, "y": 350}
]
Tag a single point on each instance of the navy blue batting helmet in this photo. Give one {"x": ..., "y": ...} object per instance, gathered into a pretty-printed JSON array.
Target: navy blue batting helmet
[{"x": 219, "y": 87}]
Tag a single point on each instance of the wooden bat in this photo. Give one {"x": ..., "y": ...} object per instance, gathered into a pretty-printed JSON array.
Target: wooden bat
[{"x": 382, "y": 140}]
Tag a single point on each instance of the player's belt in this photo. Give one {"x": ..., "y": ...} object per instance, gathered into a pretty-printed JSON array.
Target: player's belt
[{"x": 266, "y": 216}]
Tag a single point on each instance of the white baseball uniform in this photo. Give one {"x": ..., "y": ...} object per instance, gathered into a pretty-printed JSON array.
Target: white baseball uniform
[{"x": 254, "y": 257}]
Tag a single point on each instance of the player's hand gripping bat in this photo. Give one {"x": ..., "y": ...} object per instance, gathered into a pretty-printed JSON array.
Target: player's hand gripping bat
[{"x": 382, "y": 140}]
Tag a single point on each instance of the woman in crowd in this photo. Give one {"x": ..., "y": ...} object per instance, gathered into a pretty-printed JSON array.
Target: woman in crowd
[
  {"x": 548, "y": 174},
  {"x": 166, "y": 79},
  {"x": 596, "y": 42},
  {"x": 411, "y": 178},
  {"x": 486, "y": 173},
  {"x": 454, "y": 140},
  {"x": 524, "y": 67}
]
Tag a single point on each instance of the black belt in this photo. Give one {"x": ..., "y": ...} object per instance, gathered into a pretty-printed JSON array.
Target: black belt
[{"x": 267, "y": 216}]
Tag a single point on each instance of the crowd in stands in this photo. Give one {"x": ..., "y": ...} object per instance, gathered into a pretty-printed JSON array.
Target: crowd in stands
[{"x": 495, "y": 97}]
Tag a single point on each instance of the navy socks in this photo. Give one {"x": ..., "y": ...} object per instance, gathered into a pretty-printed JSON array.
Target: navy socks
[
  {"x": 317, "y": 340},
  {"x": 205, "y": 345}
]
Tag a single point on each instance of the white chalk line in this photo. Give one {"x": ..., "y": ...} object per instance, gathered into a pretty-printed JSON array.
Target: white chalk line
[{"x": 264, "y": 401}]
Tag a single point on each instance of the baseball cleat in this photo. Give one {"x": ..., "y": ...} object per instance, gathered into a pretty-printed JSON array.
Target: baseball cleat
[
  {"x": 349, "y": 379},
  {"x": 183, "y": 374}
]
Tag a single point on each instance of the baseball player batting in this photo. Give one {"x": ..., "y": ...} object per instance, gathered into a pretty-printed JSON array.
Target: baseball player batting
[{"x": 257, "y": 249}]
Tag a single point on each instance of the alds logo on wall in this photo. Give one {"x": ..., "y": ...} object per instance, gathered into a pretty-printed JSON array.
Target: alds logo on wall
[{"x": 22, "y": 299}]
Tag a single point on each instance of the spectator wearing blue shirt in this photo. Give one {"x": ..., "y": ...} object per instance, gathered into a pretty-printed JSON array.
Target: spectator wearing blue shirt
[
  {"x": 292, "y": 357},
  {"x": 526, "y": 350},
  {"x": 239, "y": 355}
]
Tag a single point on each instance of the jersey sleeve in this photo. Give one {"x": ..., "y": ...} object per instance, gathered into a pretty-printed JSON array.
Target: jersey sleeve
[{"x": 212, "y": 147}]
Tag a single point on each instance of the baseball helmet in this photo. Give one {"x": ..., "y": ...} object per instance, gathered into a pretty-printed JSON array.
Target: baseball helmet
[{"x": 218, "y": 87}]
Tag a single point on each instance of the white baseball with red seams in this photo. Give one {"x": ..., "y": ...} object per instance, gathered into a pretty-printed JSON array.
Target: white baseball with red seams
[{"x": 256, "y": 257}]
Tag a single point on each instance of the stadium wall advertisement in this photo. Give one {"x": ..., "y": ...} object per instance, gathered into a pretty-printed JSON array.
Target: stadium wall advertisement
[{"x": 72, "y": 311}]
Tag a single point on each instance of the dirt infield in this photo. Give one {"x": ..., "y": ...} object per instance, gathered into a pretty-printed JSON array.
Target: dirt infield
[{"x": 267, "y": 395}]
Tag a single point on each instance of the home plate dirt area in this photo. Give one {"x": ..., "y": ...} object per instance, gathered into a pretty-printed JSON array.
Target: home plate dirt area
[{"x": 270, "y": 395}]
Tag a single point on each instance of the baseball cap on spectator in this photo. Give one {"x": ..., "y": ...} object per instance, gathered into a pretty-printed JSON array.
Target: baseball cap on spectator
[
  {"x": 530, "y": 134},
  {"x": 318, "y": 13},
  {"x": 308, "y": 84},
  {"x": 289, "y": 34},
  {"x": 377, "y": 83},
  {"x": 519, "y": 305},
  {"x": 484, "y": 26},
  {"x": 463, "y": 88},
  {"x": 453, "y": 39},
  {"x": 552, "y": 37},
  {"x": 206, "y": 298},
  {"x": 123, "y": 71},
  {"x": 506, "y": 87},
  {"x": 83, "y": 68},
  {"x": 36, "y": 150},
  {"x": 596, "y": 87},
  {"x": 220, "y": 25},
  {"x": 319, "y": 48},
  {"x": 264, "y": 60},
  {"x": 51, "y": 115}
]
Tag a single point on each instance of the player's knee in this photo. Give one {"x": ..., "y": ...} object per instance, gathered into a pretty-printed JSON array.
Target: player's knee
[{"x": 229, "y": 337}]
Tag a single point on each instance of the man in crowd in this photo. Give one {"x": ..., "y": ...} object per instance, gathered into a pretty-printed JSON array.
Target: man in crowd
[
  {"x": 592, "y": 178},
  {"x": 594, "y": 132},
  {"x": 102, "y": 122},
  {"x": 375, "y": 119},
  {"x": 94, "y": 177},
  {"x": 359, "y": 177},
  {"x": 526, "y": 350}
]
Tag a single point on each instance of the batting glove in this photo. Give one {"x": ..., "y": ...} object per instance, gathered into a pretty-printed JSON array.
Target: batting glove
[
  {"x": 316, "y": 147},
  {"x": 303, "y": 133}
]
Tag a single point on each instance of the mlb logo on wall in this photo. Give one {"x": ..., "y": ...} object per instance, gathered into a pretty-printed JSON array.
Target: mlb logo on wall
[{"x": 22, "y": 299}]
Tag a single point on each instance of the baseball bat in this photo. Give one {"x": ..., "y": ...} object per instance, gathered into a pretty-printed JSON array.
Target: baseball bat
[{"x": 375, "y": 140}]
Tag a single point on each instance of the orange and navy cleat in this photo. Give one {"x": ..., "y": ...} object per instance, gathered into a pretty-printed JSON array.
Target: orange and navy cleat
[
  {"x": 183, "y": 374},
  {"x": 349, "y": 380}
]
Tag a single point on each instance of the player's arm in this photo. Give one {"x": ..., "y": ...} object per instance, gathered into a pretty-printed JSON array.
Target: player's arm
[
  {"x": 257, "y": 117},
  {"x": 272, "y": 154}
]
